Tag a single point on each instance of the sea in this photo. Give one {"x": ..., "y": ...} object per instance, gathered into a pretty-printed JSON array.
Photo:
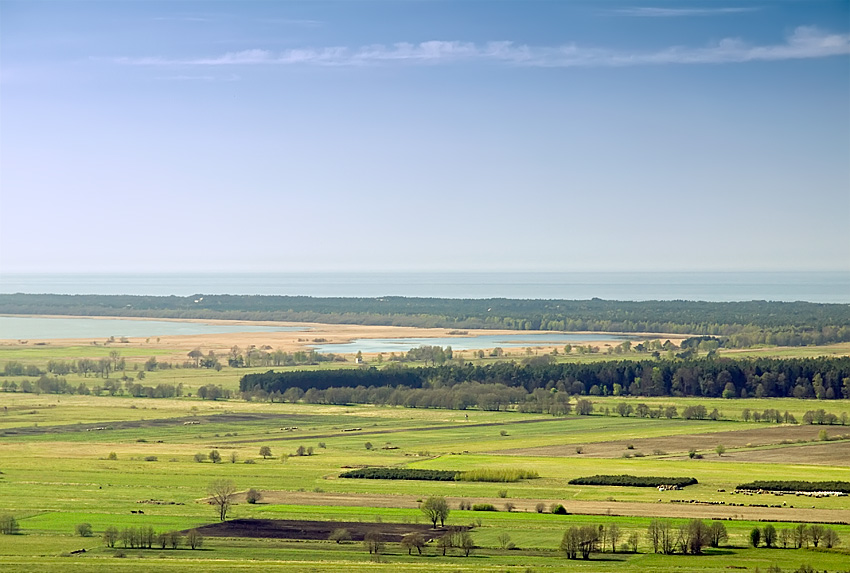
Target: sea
[{"x": 822, "y": 287}]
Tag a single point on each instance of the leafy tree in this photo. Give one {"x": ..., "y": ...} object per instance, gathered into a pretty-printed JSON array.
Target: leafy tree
[
  {"x": 266, "y": 452},
  {"x": 720, "y": 449},
  {"x": 221, "y": 494},
  {"x": 215, "y": 457},
  {"x": 755, "y": 537},
  {"x": 200, "y": 457},
  {"x": 436, "y": 509},
  {"x": 769, "y": 535},
  {"x": 83, "y": 529}
]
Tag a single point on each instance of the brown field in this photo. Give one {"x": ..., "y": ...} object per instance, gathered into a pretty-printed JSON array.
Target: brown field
[
  {"x": 823, "y": 453},
  {"x": 771, "y": 435},
  {"x": 315, "y": 530},
  {"x": 582, "y": 507}
]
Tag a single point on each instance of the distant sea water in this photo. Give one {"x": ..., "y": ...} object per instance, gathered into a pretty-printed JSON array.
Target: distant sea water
[{"x": 831, "y": 287}]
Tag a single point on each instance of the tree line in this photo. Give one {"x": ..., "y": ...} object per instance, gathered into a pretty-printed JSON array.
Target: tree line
[
  {"x": 822, "y": 378},
  {"x": 739, "y": 324}
]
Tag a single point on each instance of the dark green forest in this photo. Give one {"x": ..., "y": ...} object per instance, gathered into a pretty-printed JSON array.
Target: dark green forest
[
  {"x": 738, "y": 324},
  {"x": 545, "y": 381}
]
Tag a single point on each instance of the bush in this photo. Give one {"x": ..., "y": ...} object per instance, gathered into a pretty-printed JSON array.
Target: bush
[
  {"x": 83, "y": 529},
  {"x": 503, "y": 493},
  {"x": 112, "y": 456},
  {"x": 151, "y": 458},
  {"x": 253, "y": 496},
  {"x": 507, "y": 475},
  {"x": 633, "y": 481},
  {"x": 8, "y": 524},
  {"x": 539, "y": 507},
  {"x": 340, "y": 535},
  {"x": 401, "y": 473},
  {"x": 483, "y": 507},
  {"x": 791, "y": 485},
  {"x": 559, "y": 509}
]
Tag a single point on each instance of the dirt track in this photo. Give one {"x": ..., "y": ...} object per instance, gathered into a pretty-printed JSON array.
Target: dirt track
[{"x": 679, "y": 510}]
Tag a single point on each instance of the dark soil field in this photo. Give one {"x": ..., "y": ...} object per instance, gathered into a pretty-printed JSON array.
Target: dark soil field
[
  {"x": 315, "y": 530},
  {"x": 704, "y": 443}
]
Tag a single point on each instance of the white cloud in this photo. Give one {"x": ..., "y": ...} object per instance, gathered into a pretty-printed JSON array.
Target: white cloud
[
  {"x": 651, "y": 12},
  {"x": 805, "y": 42}
]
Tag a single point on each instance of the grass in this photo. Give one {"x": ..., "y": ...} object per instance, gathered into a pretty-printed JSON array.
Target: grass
[{"x": 56, "y": 474}]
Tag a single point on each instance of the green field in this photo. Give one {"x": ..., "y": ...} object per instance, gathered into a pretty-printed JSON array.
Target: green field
[{"x": 58, "y": 470}]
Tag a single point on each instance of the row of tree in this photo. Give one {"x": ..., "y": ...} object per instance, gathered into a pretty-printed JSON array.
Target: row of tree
[
  {"x": 822, "y": 378},
  {"x": 737, "y": 323}
]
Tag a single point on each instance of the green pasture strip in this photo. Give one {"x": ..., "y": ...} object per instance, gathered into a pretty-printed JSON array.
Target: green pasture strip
[
  {"x": 729, "y": 408},
  {"x": 39, "y": 355}
]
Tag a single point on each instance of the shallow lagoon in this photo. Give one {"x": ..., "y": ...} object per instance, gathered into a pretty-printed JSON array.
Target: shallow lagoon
[
  {"x": 27, "y": 327},
  {"x": 467, "y": 342}
]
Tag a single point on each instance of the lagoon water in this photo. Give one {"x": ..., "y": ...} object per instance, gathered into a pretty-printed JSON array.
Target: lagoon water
[
  {"x": 464, "y": 342},
  {"x": 24, "y": 328},
  {"x": 827, "y": 287}
]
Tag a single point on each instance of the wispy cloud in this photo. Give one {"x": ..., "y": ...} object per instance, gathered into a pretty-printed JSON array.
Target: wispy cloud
[
  {"x": 652, "y": 12},
  {"x": 805, "y": 42}
]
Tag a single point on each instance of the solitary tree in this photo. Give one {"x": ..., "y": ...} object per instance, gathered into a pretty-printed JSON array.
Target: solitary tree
[
  {"x": 83, "y": 529},
  {"x": 221, "y": 493},
  {"x": 266, "y": 452},
  {"x": 720, "y": 449},
  {"x": 215, "y": 457},
  {"x": 436, "y": 509},
  {"x": 253, "y": 496}
]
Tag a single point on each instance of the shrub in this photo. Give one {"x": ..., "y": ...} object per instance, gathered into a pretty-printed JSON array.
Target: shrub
[
  {"x": 483, "y": 507},
  {"x": 8, "y": 524},
  {"x": 83, "y": 529},
  {"x": 633, "y": 481},
  {"x": 503, "y": 433},
  {"x": 112, "y": 456},
  {"x": 791, "y": 485},
  {"x": 340, "y": 535},
  {"x": 506, "y": 475},
  {"x": 200, "y": 456},
  {"x": 400, "y": 473},
  {"x": 503, "y": 493},
  {"x": 253, "y": 496},
  {"x": 151, "y": 458},
  {"x": 559, "y": 509},
  {"x": 539, "y": 507}
]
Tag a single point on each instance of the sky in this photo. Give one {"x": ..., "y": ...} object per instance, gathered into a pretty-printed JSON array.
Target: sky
[{"x": 424, "y": 136}]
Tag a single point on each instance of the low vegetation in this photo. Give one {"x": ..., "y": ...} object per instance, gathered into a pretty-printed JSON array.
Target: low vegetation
[
  {"x": 634, "y": 481},
  {"x": 797, "y": 485}
]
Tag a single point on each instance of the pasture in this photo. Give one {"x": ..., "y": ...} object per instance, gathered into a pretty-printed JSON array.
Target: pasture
[{"x": 125, "y": 462}]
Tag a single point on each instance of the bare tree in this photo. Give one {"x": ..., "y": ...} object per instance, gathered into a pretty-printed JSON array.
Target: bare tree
[
  {"x": 436, "y": 509},
  {"x": 413, "y": 541},
  {"x": 221, "y": 492}
]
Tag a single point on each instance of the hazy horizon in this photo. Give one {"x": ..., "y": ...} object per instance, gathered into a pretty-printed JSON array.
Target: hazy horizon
[{"x": 185, "y": 137}]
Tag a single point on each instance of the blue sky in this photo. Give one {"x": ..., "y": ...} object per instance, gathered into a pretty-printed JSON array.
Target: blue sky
[{"x": 424, "y": 135}]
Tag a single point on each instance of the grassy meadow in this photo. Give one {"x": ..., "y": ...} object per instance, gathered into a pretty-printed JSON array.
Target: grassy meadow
[{"x": 72, "y": 459}]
